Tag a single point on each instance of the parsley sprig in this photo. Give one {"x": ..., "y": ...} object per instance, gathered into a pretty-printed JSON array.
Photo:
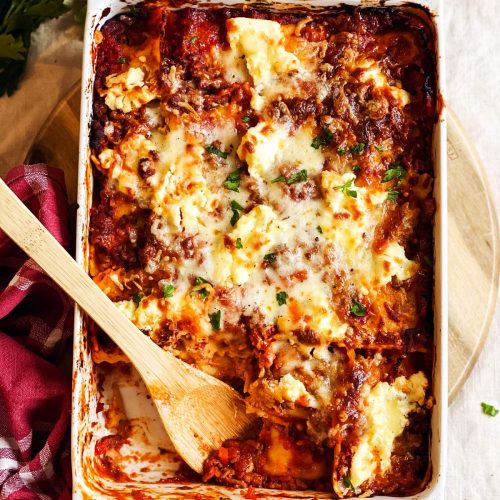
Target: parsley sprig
[
  {"x": 233, "y": 180},
  {"x": 210, "y": 148},
  {"x": 323, "y": 139},
  {"x": 236, "y": 209},
  {"x": 395, "y": 173},
  {"x": 18, "y": 20},
  {"x": 168, "y": 291},
  {"x": 347, "y": 483},
  {"x": 357, "y": 148},
  {"x": 358, "y": 309},
  {"x": 300, "y": 176},
  {"x": 281, "y": 298},
  {"x": 215, "y": 320},
  {"x": 346, "y": 189},
  {"x": 489, "y": 410},
  {"x": 202, "y": 292}
]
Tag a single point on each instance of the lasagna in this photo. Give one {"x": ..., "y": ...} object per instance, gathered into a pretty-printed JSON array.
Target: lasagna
[{"x": 262, "y": 208}]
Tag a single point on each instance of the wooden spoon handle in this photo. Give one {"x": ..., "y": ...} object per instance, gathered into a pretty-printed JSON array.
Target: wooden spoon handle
[{"x": 27, "y": 231}]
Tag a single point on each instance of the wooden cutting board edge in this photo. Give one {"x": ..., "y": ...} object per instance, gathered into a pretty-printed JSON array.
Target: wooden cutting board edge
[{"x": 57, "y": 144}]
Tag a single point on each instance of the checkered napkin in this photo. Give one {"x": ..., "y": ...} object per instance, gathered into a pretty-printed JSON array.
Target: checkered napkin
[{"x": 35, "y": 319}]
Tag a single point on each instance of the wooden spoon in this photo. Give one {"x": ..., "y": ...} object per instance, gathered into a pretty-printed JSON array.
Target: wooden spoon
[{"x": 198, "y": 411}]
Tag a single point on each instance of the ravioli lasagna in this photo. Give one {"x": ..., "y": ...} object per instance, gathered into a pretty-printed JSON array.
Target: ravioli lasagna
[{"x": 263, "y": 209}]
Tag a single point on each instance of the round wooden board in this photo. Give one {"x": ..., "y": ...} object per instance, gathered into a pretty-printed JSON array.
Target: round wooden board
[{"x": 473, "y": 230}]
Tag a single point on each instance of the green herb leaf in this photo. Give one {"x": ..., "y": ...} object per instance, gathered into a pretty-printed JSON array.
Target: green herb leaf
[
  {"x": 300, "y": 176},
  {"x": 319, "y": 229},
  {"x": 324, "y": 138},
  {"x": 193, "y": 39},
  {"x": 380, "y": 149},
  {"x": 232, "y": 181},
  {"x": 215, "y": 320},
  {"x": 489, "y": 410},
  {"x": 427, "y": 260},
  {"x": 281, "y": 297},
  {"x": 341, "y": 151},
  {"x": 356, "y": 169},
  {"x": 281, "y": 178},
  {"x": 137, "y": 297},
  {"x": 392, "y": 194},
  {"x": 358, "y": 309},
  {"x": 168, "y": 291},
  {"x": 396, "y": 172},
  {"x": 202, "y": 292},
  {"x": 357, "y": 148},
  {"x": 12, "y": 48},
  {"x": 246, "y": 119},
  {"x": 18, "y": 20},
  {"x": 236, "y": 209},
  {"x": 239, "y": 244},
  {"x": 121, "y": 60},
  {"x": 80, "y": 12},
  {"x": 270, "y": 258},
  {"x": 347, "y": 483},
  {"x": 210, "y": 148},
  {"x": 345, "y": 189}
]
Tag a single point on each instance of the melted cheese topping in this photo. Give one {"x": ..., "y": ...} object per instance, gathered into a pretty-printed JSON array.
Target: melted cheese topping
[
  {"x": 386, "y": 412},
  {"x": 281, "y": 254},
  {"x": 127, "y": 91},
  {"x": 372, "y": 73},
  {"x": 262, "y": 44},
  {"x": 350, "y": 224}
]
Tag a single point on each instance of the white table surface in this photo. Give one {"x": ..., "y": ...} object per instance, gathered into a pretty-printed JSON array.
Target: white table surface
[{"x": 473, "y": 88}]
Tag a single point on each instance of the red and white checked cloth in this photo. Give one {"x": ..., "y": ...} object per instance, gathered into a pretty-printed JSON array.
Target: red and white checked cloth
[{"x": 35, "y": 319}]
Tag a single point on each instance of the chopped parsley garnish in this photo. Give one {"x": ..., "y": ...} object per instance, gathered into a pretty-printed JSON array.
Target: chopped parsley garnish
[
  {"x": 201, "y": 281},
  {"x": 168, "y": 291},
  {"x": 489, "y": 410},
  {"x": 239, "y": 244},
  {"x": 193, "y": 39},
  {"x": 232, "y": 181},
  {"x": 356, "y": 169},
  {"x": 341, "y": 151},
  {"x": 358, "y": 309},
  {"x": 300, "y": 176},
  {"x": 324, "y": 138},
  {"x": 281, "y": 178},
  {"x": 380, "y": 149},
  {"x": 345, "y": 189},
  {"x": 281, "y": 298},
  {"x": 427, "y": 260},
  {"x": 202, "y": 292},
  {"x": 210, "y": 148},
  {"x": 137, "y": 297},
  {"x": 357, "y": 148},
  {"x": 392, "y": 194},
  {"x": 396, "y": 172},
  {"x": 270, "y": 258},
  {"x": 236, "y": 208},
  {"x": 347, "y": 483},
  {"x": 319, "y": 229},
  {"x": 121, "y": 60},
  {"x": 246, "y": 119},
  {"x": 215, "y": 320}
]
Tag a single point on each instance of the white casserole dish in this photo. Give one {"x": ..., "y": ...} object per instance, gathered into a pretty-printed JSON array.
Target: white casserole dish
[{"x": 88, "y": 424}]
